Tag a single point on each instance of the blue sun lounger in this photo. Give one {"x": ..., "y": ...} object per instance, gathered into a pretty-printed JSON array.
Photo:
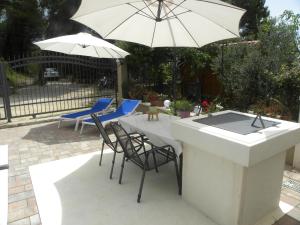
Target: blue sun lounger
[
  {"x": 126, "y": 108},
  {"x": 100, "y": 106}
]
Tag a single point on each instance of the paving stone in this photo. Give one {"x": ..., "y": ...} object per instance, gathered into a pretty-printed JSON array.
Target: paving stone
[
  {"x": 25, "y": 221},
  {"x": 35, "y": 220},
  {"x": 20, "y": 196},
  {"x": 31, "y": 202},
  {"x": 4, "y": 156},
  {"x": 17, "y": 205},
  {"x": 29, "y": 145},
  {"x": 21, "y": 214},
  {"x": 28, "y": 187},
  {"x": 16, "y": 190}
]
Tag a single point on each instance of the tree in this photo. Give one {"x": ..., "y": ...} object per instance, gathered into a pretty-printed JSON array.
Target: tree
[
  {"x": 3, "y": 23},
  {"x": 57, "y": 15},
  {"x": 24, "y": 23},
  {"x": 256, "y": 13},
  {"x": 264, "y": 69}
]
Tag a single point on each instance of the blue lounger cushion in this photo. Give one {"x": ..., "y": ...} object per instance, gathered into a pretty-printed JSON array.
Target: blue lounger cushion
[
  {"x": 99, "y": 106},
  {"x": 127, "y": 107}
]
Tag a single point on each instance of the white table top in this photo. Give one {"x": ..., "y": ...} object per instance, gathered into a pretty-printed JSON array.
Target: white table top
[
  {"x": 245, "y": 150},
  {"x": 158, "y": 132}
]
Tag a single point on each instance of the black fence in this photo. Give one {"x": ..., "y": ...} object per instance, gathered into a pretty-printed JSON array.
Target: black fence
[{"x": 51, "y": 82}]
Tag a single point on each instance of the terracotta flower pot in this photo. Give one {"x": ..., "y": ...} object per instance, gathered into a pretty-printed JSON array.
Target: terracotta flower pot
[{"x": 184, "y": 114}]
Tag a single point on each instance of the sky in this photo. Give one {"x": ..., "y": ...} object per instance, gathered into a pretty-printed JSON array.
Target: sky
[{"x": 277, "y": 7}]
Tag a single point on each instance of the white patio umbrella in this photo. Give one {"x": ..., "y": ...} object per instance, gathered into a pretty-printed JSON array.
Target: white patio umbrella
[
  {"x": 82, "y": 44},
  {"x": 162, "y": 23}
]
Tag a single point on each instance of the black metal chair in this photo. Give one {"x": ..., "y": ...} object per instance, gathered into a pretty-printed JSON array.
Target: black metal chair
[
  {"x": 147, "y": 160},
  {"x": 113, "y": 145}
]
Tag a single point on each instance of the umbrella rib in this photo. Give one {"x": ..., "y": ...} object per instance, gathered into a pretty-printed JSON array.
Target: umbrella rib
[
  {"x": 108, "y": 52},
  {"x": 120, "y": 24},
  {"x": 210, "y": 19},
  {"x": 171, "y": 31},
  {"x": 113, "y": 51},
  {"x": 214, "y": 3},
  {"x": 147, "y": 16},
  {"x": 99, "y": 54},
  {"x": 171, "y": 10},
  {"x": 185, "y": 28},
  {"x": 140, "y": 12},
  {"x": 96, "y": 50},
  {"x": 149, "y": 9},
  {"x": 97, "y": 10},
  {"x": 153, "y": 33},
  {"x": 70, "y": 52},
  {"x": 117, "y": 53},
  {"x": 172, "y": 17}
]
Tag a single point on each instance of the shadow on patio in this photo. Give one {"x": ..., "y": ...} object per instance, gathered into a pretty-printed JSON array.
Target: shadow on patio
[
  {"x": 78, "y": 191},
  {"x": 49, "y": 134}
]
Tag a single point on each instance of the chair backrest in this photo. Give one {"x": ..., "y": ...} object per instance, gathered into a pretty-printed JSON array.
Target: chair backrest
[
  {"x": 128, "y": 106},
  {"x": 102, "y": 103},
  {"x": 125, "y": 142},
  {"x": 102, "y": 131}
]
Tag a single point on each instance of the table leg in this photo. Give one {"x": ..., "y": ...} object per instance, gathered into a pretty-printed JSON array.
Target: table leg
[{"x": 180, "y": 169}]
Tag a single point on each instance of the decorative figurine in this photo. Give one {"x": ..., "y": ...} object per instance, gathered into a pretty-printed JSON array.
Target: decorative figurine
[{"x": 153, "y": 112}]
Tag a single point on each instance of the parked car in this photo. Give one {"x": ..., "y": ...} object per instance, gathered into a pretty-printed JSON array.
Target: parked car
[{"x": 51, "y": 73}]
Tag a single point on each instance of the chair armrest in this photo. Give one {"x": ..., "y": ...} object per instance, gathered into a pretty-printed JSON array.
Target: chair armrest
[
  {"x": 135, "y": 136},
  {"x": 167, "y": 150}
]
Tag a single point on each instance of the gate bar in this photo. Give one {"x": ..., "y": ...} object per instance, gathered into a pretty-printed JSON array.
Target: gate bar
[{"x": 5, "y": 89}]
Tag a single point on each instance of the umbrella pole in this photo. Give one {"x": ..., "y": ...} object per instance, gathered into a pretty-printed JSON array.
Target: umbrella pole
[{"x": 174, "y": 81}]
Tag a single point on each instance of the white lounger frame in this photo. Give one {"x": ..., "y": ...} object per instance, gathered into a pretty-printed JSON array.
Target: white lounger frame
[
  {"x": 104, "y": 123},
  {"x": 80, "y": 118}
]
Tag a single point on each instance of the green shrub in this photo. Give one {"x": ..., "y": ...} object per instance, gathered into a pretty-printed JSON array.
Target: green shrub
[
  {"x": 182, "y": 105},
  {"x": 14, "y": 78}
]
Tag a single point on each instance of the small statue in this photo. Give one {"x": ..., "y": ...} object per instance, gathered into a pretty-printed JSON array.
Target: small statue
[{"x": 153, "y": 112}]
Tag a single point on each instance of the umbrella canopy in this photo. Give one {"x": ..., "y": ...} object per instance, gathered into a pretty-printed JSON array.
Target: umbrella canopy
[
  {"x": 82, "y": 44},
  {"x": 162, "y": 23}
]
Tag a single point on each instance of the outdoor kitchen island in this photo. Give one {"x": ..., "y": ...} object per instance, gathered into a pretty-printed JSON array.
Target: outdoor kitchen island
[{"x": 232, "y": 171}]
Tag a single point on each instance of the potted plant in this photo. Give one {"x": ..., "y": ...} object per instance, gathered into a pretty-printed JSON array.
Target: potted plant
[
  {"x": 146, "y": 101},
  {"x": 183, "y": 108}
]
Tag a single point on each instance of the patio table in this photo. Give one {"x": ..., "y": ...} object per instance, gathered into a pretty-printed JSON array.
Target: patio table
[{"x": 158, "y": 131}]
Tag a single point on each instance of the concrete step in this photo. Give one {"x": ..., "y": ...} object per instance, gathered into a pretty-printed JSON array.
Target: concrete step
[
  {"x": 3, "y": 184},
  {"x": 3, "y": 157}
]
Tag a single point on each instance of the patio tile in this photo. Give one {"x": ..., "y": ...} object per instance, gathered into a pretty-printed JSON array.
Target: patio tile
[
  {"x": 287, "y": 220},
  {"x": 25, "y": 221},
  {"x": 35, "y": 220},
  {"x": 20, "y": 196},
  {"x": 34, "y": 144},
  {"x": 21, "y": 214},
  {"x": 28, "y": 187},
  {"x": 17, "y": 205},
  {"x": 16, "y": 190},
  {"x": 295, "y": 213},
  {"x": 289, "y": 200}
]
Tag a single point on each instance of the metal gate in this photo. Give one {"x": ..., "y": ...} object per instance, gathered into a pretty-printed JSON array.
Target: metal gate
[{"x": 53, "y": 82}]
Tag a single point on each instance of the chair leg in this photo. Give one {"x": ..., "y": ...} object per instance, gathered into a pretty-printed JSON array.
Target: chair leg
[
  {"x": 180, "y": 168},
  {"x": 59, "y": 123},
  {"x": 141, "y": 186},
  {"x": 100, "y": 161},
  {"x": 82, "y": 125},
  {"x": 77, "y": 125},
  {"x": 178, "y": 176},
  {"x": 122, "y": 168},
  {"x": 155, "y": 163},
  {"x": 112, "y": 165}
]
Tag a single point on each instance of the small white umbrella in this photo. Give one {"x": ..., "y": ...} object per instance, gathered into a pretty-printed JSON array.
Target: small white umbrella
[
  {"x": 82, "y": 44},
  {"x": 162, "y": 23}
]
